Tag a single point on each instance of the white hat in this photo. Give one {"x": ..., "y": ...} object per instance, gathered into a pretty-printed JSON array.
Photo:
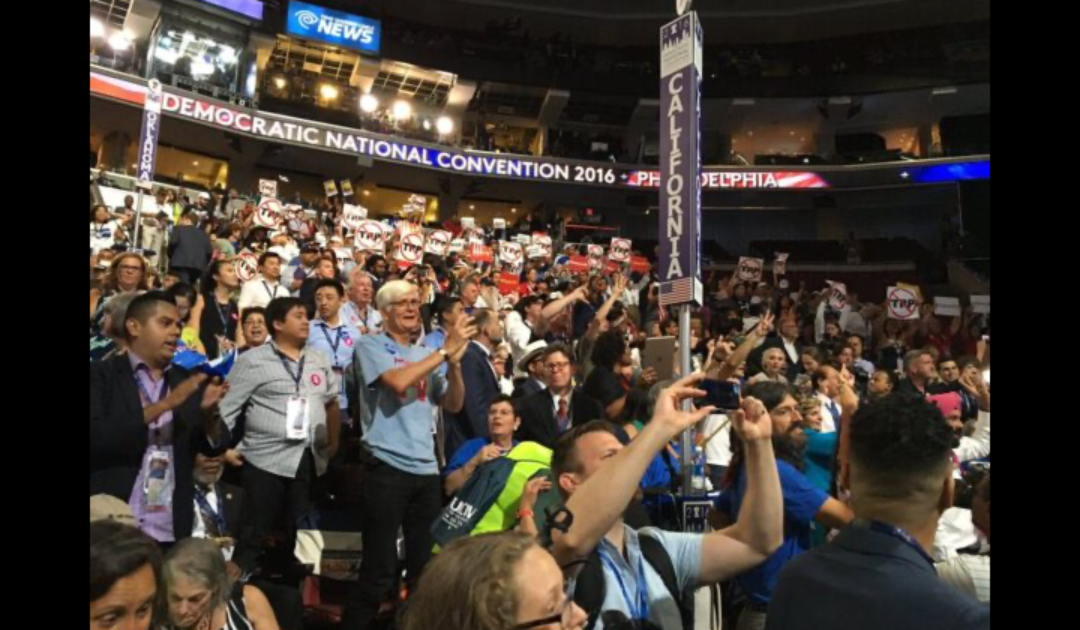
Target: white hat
[
  {"x": 281, "y": 251},
  {"x": 532, "y": 353},
  {"x": 107, "y": 508}
]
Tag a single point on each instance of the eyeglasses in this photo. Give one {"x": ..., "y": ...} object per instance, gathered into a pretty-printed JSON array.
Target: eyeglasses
[
  {"x": 407, "y": 305},
  {"x": 131, "y": 268},
  {"x": 564, "y": 617}
]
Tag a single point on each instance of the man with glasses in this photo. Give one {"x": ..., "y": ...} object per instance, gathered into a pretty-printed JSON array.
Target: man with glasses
[
  {"x": 548, "y": 414},
  {"x": 401, "y": 383}
]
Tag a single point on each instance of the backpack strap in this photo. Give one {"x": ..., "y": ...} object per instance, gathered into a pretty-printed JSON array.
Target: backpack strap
[
  {"x": 659, "y": 559},
  {"x": 590, "y": 589},
  {"x": 591, "y": 586}
]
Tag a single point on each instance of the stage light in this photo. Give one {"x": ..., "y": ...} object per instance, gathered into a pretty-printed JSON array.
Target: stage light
[
  {"x": 402, "y": 110},
  {"x": 328, "y": 92},
  {"x": 120, "y": 42},
  {"x": 369, "y": 104}
]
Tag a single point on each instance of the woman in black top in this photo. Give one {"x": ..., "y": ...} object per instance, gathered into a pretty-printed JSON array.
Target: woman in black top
[{"x": 221, "y": 317}]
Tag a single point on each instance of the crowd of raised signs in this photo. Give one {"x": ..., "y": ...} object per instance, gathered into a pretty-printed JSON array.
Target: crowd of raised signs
[{"x": 307, "y": 419}]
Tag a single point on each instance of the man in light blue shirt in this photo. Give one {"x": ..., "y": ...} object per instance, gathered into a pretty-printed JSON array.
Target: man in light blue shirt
[
  {"x": 401, "y": 386},
  {"x": 599, "y": 477},
  {"x": 331, "y": 334}
]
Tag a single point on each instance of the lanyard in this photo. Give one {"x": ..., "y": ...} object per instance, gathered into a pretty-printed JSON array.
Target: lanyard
[
  {"x": 641, "y": 610},
  {"x": 204, "y": 505},
  {"x": 364, "y": 317},
  {"x": 336, "y": 343},
  {"x": 225, "y": 315},
  {"x": 271, "y": 293},
  {"x": 296, "y": 377},
  {"x": 148, "y": 401},
  {"x": 902, "y": 536}
]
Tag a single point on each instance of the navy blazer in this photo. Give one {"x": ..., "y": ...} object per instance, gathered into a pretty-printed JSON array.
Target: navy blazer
[
  {"x": 866, "y": 580},
  {"x": 538, "y": 422},
  {"x": 481, "y": 388},
  {"x": 119, "y": 437}
]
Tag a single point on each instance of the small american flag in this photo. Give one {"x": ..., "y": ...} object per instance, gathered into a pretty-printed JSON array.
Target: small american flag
[{"x": 677, "y": 293}]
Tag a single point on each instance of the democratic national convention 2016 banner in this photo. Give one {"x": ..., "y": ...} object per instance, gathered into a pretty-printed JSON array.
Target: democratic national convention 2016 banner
[{"x": 293, "y": 131}]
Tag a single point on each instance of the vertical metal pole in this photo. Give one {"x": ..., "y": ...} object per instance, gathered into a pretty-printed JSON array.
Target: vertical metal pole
[
  {"x": 136, "y": 233},
  {"x": 687, "y": 368}
]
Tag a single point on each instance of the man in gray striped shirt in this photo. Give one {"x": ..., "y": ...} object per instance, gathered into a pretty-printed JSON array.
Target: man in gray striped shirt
[{"x": 287, "y": 396}]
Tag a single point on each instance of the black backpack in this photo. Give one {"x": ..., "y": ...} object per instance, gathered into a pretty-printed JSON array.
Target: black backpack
[{"x": 591, "y": 586}]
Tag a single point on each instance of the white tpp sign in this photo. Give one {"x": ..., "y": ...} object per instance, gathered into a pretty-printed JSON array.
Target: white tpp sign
[
  {"x": 621, "y": 250},
  {"x": 268, "y": 188},
  {"x": 838, "y": 295},
  {"x": 438, "y": 243},
  {"x": 546, "y": 245},
  {"x": 371, "y": 237},
  {"x": 354, "y": 216},
  {"x": 511, "y": 254},
  {"x": 411, "y": 249},
  {"x": 750, "y": 269},
  {"x": 270, "y": 213},
  {"x": 246, "y": 266},
  {"x": 780, "y": 266},
  {"x": 903, "y": 304}
]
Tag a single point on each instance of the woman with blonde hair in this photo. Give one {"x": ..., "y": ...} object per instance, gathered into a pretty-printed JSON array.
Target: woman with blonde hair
[
  {"x": 128, "y": 274},
  {"x": 493, "y": 582}
]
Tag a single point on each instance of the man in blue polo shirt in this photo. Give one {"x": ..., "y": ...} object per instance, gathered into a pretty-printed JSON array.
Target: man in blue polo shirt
[{"x": 402, "y": 387}]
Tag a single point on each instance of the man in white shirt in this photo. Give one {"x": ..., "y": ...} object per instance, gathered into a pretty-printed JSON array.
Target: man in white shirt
[
  {"x": 717, "y": 431},
  {"x": 219, "y": 515},
  {"x": 265, "y": 288},
  {"x": 523, "y": 327},
  {"x": 978, "y": 445},
  {"x": 858, "y": 350},
  {"x": 969, "y": 570},
  {"x": 360, "y": 310},
  {"x": 827, "y": 385},
  {"x": 284, "y": 246}
]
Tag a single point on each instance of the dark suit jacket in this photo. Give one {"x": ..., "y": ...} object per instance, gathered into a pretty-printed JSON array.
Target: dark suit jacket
[
  {"x": 119, "y": 437},
  {"x": 527, "y": 388},
  {"x": 481, "y": 387},
  {"x": 237, "y": 522},
  {"x": 538, "y": 422},
  {"x": 190, "y": 248},
  {"x": 866, "y": 579}
]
